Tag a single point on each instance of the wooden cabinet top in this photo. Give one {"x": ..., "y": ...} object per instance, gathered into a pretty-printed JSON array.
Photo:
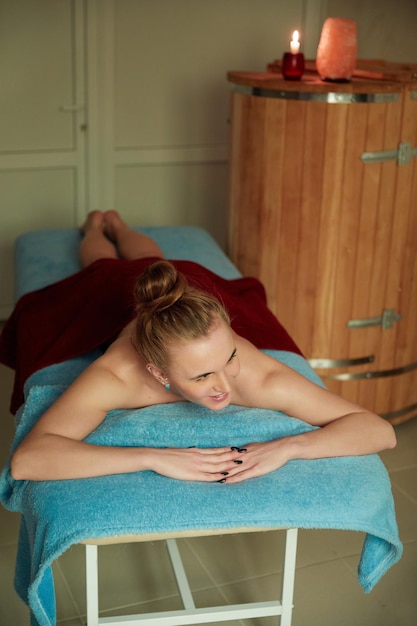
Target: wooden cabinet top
[{"x": 368, "y": 77}]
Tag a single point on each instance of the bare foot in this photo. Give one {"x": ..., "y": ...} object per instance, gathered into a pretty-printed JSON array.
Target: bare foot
[
  {"x": 112, "y": 223},
  {"x": 94, "y": 220}
]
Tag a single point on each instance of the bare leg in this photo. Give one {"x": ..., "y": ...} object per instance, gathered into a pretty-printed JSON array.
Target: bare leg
[
  {"x": 95, "y": 245},
  {"x": 130, "y": 243}
]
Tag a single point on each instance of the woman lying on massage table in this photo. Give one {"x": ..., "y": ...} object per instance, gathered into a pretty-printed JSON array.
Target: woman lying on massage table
[{"x": 180, "y": 346}]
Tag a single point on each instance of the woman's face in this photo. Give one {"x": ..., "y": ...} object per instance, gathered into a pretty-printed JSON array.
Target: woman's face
[{"x": 202, "y": 370}]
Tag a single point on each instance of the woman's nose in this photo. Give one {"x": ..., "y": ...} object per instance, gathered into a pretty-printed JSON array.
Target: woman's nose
[{"x": 221, "y": 382}]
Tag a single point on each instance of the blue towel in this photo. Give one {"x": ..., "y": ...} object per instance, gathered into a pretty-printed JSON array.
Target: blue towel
[
  {"x": 352, "y": 493},
  {"x": 43, "y": 257}
]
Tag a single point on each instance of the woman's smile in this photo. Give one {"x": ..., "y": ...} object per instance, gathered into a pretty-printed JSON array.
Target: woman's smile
[{"x": 221, "y": 397}]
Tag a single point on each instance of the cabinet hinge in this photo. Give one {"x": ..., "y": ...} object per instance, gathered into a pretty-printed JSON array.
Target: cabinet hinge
[
  {"x": 386, "y": 320},
  {"x": 403, "y": 155}
]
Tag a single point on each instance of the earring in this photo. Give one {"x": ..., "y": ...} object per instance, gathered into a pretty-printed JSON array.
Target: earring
[{"x": 167, "y": 386}]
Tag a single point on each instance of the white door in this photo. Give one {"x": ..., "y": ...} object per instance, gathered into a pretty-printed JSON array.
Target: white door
[{"x": 42, "y": 123}]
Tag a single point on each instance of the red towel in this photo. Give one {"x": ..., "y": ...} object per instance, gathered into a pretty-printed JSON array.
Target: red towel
[{"x": 88, "y": 309}]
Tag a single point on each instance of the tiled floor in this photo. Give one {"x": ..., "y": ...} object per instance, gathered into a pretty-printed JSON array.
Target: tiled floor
[{"x": 238, "y": 568}]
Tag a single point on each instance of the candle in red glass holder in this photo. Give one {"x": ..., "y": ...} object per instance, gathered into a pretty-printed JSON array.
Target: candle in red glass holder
[
  {"x": 337, "y": 50},
  {"x": 293, "y": 62}
]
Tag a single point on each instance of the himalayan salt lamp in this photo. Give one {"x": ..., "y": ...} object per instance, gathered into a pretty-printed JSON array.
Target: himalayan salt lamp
[{"x": 337, "y": 50}]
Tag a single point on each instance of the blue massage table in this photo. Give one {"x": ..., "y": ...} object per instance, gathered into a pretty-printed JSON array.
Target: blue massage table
[{"x": 58, "y": 514}]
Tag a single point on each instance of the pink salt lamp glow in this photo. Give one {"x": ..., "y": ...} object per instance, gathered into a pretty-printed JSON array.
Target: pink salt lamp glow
[{"x": 337, "y": 50}]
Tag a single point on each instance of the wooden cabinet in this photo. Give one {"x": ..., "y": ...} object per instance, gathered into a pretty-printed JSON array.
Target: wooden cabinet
[{"x": 323, "y": 210}]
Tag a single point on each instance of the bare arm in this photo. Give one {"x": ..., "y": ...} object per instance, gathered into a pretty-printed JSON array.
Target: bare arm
[
  {"x": 353, "y": 429},
  {"x": 345, "y": 429},
  {"x": 54, "y": 449}
]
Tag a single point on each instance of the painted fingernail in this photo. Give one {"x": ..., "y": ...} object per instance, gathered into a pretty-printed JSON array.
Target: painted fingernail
[
  {"x": 238, "y": 462},
  {"x": 239, "y": 449},
  {"x": 224, "y": 473},
  {"x": 222, "y": 480},
  {"x": 191, "y": 447}
]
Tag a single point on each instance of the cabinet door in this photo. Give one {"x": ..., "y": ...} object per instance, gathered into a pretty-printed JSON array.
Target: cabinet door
[
  {"x": 332, "y": 236},
  {"x": 41, "y": 123}
]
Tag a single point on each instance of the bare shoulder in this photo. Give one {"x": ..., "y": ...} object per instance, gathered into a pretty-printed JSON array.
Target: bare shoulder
[
  {"x": 117, "y": 379},
  {"x": 255, "y": 362},
  {"x": 83, "y": 405},
  {"x": 105, "y": 385},
  {"x": 267, "y": 383},
  {"x": 257, "y": 372}
]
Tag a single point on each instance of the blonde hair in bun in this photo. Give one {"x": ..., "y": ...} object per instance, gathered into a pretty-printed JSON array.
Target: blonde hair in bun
[{"x": 170, "y": 310}]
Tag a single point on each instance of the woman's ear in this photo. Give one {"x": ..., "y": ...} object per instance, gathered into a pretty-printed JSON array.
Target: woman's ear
[{"x": 157, "y": 373}]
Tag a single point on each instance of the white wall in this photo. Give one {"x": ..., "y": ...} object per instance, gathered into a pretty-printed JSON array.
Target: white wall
[
  {"x": 386, "y": 30},
  {"x": 124, "y": 103},
  {"x": 171, "y": 101}
]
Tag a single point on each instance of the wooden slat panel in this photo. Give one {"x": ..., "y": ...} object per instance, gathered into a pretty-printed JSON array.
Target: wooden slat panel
[
  {"x": 329, "y": 229},
  {"x": 368, "y": 122},
  {"x": 288, "y": 248},
  {"x": 273, "y": 168},
  {"x": 391, "y": 241},
  {"x": 348, "y": 220},
  {"x": 249, "y": 115},
  {"x": 383, "y": 132},
  {"x": 307, "y": 278}
]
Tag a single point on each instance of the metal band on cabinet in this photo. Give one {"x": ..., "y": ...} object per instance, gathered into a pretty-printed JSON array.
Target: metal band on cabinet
[
  {"x": 374, "y": 374},
  {"x": 400, "y": 412},
  {"x": 329, "y": 97},
  {"x": 327, "y": 363}
]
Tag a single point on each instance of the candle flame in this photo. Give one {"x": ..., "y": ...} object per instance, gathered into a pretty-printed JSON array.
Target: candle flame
[{"x": 295, "y": 43}]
